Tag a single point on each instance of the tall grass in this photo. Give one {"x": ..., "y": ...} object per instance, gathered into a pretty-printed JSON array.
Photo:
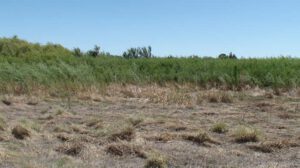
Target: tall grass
[
  {"x": 57, "y": 69},
  {"x": 26, "y": 74}
]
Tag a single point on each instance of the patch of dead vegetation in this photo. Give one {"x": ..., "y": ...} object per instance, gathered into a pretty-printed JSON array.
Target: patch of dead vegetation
[
  {"x": 6, "y": 102},
  {"x": 273, "y": 146},
  {"x": 125, "y": 134},
  {"x": 71, "y": 148},
  {"x": 163, "y": 137},
  {"x": 286, "y": 116},
  {"x": 156, "y": 161},
  {"x": 176, "y": 127},
  {"x": 62, "y": 128},
  {"x": 135, "y": 121},
  {"x": 64, "y": 137},
  {"x": 219, "y": 97},
  {"x": 201, "y": 138},
  {"x": 20, "y": 132},
  {"x": 125, "y": 149},
  {"x": 2, "y": 124},
  {"x": 94, "y": 122},
  {"x": 32, "y": 102},
  {"x": 264, "y": 106}
]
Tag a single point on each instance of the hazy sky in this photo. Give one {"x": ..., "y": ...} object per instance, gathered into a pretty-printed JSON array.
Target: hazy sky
[{"x": 178, "y": 27}]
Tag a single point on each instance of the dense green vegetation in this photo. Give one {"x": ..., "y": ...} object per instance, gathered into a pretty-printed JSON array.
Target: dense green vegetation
[{"x": 25, "y": 67}]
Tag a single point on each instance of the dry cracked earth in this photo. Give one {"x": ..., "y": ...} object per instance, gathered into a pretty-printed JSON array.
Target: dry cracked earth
[{"x": 152, "y": 127}]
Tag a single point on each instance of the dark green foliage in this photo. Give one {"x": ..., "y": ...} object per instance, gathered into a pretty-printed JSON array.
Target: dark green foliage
[
  {"x": 77, "y": 52},
  {"x": 15, "y": 47},
  {"x": 143, "y": 52},
  {"x": 95, "y": 52},
  {"x": 230, "y": 56}
]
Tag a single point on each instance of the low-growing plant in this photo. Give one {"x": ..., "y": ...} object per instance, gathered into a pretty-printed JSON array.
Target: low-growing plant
[
  {"x": 245, "y": 134},
  {"x": 156, "y": 161},
  {"x": 125, "y": 149},
  {"x": 2, "y": 124},
  {"x": 20, "y": 132},
  {"x": 220, "y": 128},
  {"x": 200, "y": 138},
  {"x": 127, "y": 134}
]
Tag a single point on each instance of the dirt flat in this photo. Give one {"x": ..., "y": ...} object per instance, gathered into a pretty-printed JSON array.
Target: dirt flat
[{"x": 128, "y": 128}]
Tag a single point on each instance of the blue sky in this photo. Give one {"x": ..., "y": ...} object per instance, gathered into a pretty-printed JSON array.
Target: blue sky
[{"x": 256, "y": 28}]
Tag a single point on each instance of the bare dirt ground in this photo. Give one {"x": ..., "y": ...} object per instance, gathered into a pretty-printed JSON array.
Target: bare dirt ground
[{"x": 152, "y": 127}]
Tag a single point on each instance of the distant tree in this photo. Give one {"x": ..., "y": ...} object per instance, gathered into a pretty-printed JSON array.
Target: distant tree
[
  {"x": 144, "y": 52},
  {"x": 232, "y": 56},
  {"x": 77, "y": 52},
  {"x": 225, "y": 56},
  {"x": 95, "y": 52}
]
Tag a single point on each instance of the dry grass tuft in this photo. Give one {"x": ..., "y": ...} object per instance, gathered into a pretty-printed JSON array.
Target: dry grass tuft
[
  {"x": 136, "y": 121},
  {"x": 62, "y": 129},
  {"x": 200, "y": 138},
  {"x": 71, "y": 149},
  {"x": 2, "y": 124},
  {"x": 156, "y": 161},
  {"x": 219, "y": 128},
  {"x": 125, "y": 149},
  {"x": 164, "y": 137},
  {"x": 128, "y": 93},
  {"x": 63, "y": 137},
  {"x": 6, "y": 101},
  {"x": 127, "y": 134},
  {"x": 32, "y": 103},
  {"x": 285, "y": 116},
  {"x": 245, "y": 134},
  {"x": 177, "y": 127},
  {"x": 269, "y": 95},
  {"x": 94, "y": 122},
  {"x": 20, "y": 132},
  {"x": 213, "y": 98},
  {"x": 226, "y": 98},
  {"x": 272, "y": 146},
  {"x": 267, "y": 147}
]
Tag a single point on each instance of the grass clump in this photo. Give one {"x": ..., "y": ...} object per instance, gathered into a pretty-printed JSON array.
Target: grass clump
[
  {"x": 226, "y": 98},
  {"x": 71, "y": 149},
  {"x": 20, "y": 132},
  {"x": 201, "y": 138},
  {"x": 2, "y": 124},
  {"x": 94, "y": 122},
  {"x": 220, "y": 128},
  {"x": 125, "y": 149},
  {"x": 156, "y": 161},
  {"x": 135, "y": 121},
  {"x": 164, "y": 137},
  {"x": 126, "y": 134},
  {"x": 244, "y": 134},
  {"x": 272, "y": 146}
]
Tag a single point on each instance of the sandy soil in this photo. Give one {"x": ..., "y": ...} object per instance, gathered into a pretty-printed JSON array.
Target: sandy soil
[{"x": 132, "y": 127}]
